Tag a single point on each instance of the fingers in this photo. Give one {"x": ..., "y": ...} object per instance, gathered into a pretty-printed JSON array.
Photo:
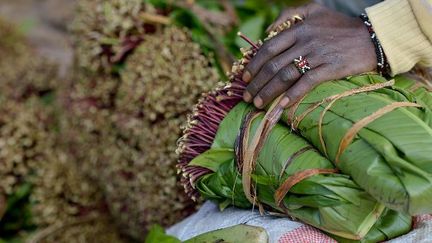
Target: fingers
[
  {"x": 272, "y": 67},
  {"x": 269, "y": 50},
  {"x": 307, "y": 82},
  {"x": 281, "y": 82}
]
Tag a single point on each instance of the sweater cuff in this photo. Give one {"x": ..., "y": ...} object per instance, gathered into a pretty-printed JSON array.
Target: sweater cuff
[{"x": 399, "y": 34}]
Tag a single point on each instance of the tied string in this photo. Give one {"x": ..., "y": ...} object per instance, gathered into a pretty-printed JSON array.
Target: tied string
[
  {"x": 251, "y": 149},
  {"x": 352, "y": 132},
  {"x": 293, "y": 180},
  {"x": 292, "y": 157},
  {"x": 335, "y": 98},
  {"x": 331, "y": 100},
  {"x": 295, "y": 121},
  {"x": 247, "y": 153},
  {"x": 243, "y": 135}
]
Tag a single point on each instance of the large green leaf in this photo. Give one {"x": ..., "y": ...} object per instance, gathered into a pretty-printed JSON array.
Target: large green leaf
[{"x": 212, "y": 159}]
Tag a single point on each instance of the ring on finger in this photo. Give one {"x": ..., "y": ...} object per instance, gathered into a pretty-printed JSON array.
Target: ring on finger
[{"x": 302, "y": 64}]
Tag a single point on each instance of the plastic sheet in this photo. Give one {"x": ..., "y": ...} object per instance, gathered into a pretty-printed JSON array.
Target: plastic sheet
[{"x": 281, "y": 230}]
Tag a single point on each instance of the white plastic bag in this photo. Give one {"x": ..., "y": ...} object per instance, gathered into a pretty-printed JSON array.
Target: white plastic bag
[{"x": 282, "y": 230}]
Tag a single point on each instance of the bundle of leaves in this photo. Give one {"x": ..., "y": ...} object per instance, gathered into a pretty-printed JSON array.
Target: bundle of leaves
[
  {"x": 125, "y": 128},
  {"x": 22, "y": 74},
  {"x": 105, "y": 31},
  {"x": 93, "y": 228},
  {"x": 22, "y": 142},
  {"x": 42, "y": 190},
  {"x": 41, "y": 186},
  {"x": 68, "y": 206},
  {"x": 164, "y": 76}
]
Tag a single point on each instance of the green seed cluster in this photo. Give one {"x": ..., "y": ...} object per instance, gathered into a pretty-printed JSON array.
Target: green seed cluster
[
  {"x": 32, "y": 152},
  {"x": 29, "y": 153},
  {"x": 61, "y": 193},
  {"x": 86, "y": 230},
  {"x": 125, "y": 127},
  {"x": 23, "y": 139},
  {"x": 164, "y": 78},
  {"x": 22, "y": 75},
  {"x": 140, "y": 182},
  {"x": 104, "y": 30}
]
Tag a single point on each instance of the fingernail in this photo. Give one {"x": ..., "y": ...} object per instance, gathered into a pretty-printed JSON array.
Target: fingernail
[
  {"x": 258, "y": 102},
  {"x": 247, "y": 96},
  {"x": 246, "y": 76},
  {"x": 284, "y": 102}
]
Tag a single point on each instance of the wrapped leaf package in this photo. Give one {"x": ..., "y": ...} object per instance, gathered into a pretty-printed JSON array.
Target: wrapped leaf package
[{"x": 290, "y": 178}]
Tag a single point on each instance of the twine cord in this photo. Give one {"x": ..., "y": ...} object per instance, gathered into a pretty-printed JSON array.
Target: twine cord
[{"x": 352, "y": 132}]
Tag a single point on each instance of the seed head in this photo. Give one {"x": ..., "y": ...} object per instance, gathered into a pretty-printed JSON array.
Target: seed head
[
  {"x": 105, "y": 31},
  {"x": 126, "y": 128}
]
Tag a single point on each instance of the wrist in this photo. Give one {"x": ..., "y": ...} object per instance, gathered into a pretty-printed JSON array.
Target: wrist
[{"x": 383, "y": 67}]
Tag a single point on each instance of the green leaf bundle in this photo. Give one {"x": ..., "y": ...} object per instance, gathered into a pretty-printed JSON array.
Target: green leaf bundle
[{"x": 331, "y": 202}]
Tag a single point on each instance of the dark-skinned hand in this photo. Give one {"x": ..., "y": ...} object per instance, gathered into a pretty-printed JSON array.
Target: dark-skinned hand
[{"x": 335, "y": 46}]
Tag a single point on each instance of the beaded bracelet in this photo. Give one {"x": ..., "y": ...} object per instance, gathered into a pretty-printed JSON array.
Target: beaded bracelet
[{"x": 382, "y": 65}]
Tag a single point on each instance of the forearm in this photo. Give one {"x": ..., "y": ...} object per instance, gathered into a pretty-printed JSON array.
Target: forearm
[{"x": 404, "y": 28}]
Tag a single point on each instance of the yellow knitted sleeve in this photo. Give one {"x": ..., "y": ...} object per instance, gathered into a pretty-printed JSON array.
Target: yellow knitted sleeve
[{"x": 404, "y": 28}]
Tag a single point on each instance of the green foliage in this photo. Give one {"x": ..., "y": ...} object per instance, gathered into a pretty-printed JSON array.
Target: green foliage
[
  {"x": 157, "y": 235},
  {"x": 253, "y": 27},
  {"x": 18, "y": 215}
]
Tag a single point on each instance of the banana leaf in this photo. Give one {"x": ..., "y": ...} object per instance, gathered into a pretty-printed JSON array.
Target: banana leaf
[
  {"x": 330, "y": 202},
  {"x": 390, "y": 157}
]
